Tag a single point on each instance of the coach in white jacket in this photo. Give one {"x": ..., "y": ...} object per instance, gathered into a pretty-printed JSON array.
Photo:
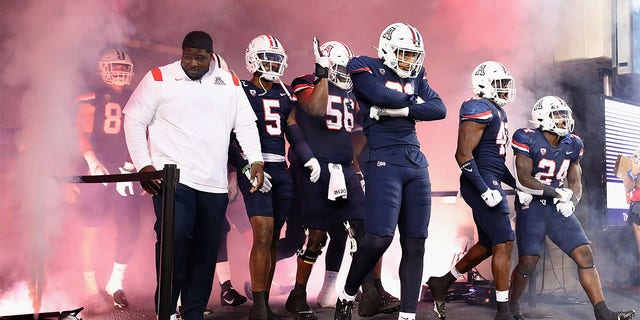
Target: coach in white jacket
[{"x": 189, "y": 108}]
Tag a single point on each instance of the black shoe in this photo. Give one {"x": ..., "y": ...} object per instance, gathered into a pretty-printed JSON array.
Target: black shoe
[
  {"x": 258, "y": 313},
  {"x": 372, "y": 303},
  {"x": 297, "y": 305},
  {"x": 626, "y": 315},
  {"x": 119, "y": 299},
  {"x": 344, "y": 309},
  {"x": 438, "y": 287},
  {"x": 229, "y": 297},
  {"x": 518, "y": 316}
]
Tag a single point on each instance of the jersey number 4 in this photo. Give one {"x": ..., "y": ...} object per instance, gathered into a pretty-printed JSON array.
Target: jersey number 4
[{"x": 548, "y": 168}]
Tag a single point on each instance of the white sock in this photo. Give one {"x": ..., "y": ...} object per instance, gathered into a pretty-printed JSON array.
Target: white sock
[
  {"x": 115, "y": 281},
  {"x": 456, "y": 274},
  {"x": 328, "y": 296},
  {"x": 502, "y": 296},
  {"x": 406, "y": 316},
  {"x": 90, "y": 282},
  {"x": 344, "y": 296},
  {"x": 223, "y": 271}
]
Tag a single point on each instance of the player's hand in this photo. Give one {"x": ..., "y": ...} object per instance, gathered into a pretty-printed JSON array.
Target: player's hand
[
  {"x": 565, "y": 194},
  {"x": 361, "y": 177},
  {"x": 258, "y": 178},
  {"x": 322, "y": 62},
  {"x": 374, "y": 113},
  {"x": 314, "y": 166},
  {"x": 566, "y": 208},
  {"x": 524, "y": 198},
  {"x": 491, "y": 197},
  {"x": 123, "y": 186},
  {"x": 152, "y": 186}
]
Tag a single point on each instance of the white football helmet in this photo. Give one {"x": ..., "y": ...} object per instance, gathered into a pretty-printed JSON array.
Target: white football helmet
[
  {"x": 116, "y": 67},
  {"x": 266, "y": 55},
  {"x": 339, "y": 55},
  {"x": 493, "y": 81},
  {"x": 552, "y": 114},
  {"x": 401, "y": 48}
]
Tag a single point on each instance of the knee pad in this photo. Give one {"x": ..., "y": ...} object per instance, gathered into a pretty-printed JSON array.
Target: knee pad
[{"x": 307, "y": 255}]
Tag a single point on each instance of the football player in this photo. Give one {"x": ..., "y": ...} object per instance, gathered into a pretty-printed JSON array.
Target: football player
[
  {"x": 481, "y": 151},
  {"x": 266, "y": 59},
  {"x": 325, "y": 115},
  {"x": 102, "y": 144},
  {"x": 547, "y": 164},
  {"x": 393, "y": 94}
]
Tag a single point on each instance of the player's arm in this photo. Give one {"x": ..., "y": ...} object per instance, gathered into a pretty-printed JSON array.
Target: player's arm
[
  {"x": 469, "y": 135},
  {"x": 314, "y": 99},
  {"x": 574, "y": 180},
  {"x": 631, "y": 178},
  {"x": 429, "y": 105},
  {"x": 367, "y": 86},
  {"x": 84, "y": 122}
]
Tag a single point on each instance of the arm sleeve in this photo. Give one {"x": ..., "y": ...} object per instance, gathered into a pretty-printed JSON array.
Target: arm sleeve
[
  {"x": 235, "y": 156},
  {"x": 508, "y": 178},
  {"x": 135, "y": 135},
  {"x": 431, "y": 106},
  {"x": 298, "y": 144},
  {"x": 246, "y": 129},
  {"x": 366, "y": 85}
]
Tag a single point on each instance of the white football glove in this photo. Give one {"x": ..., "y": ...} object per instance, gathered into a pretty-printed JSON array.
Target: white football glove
[
  {"x": 320, "y": 59},
  {"x": 123, "y": 186},
  {"x": 266, "y": 184},
  {"x": 374, "y": 113},
  {"x": 491, "y": 197},
  {"x": 524, "y": 198},
  {"x": 314, "y": 166},
  {"x": 96, "y": 168},
  {"x": 377, "y": 112},
  {"x": 565, "y": 194},
  {"x": 566, "y": 208}
]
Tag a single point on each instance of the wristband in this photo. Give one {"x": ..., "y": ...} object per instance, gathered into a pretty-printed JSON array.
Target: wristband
[
  {"x": 248, "y": 165},
  {"x": 631, "y": 176},
  {"x": 575, "y": 201},
  {"x": 549, "y": 191}
]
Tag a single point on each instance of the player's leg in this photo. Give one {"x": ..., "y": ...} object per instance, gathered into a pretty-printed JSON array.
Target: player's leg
[
  {"x": 530, "y": 233},
  {"x": 327, "y": 295},
  {"x": 413, "y": 224},
  {"x": 127, "y": 219},
  {"x": 383, "y": 200},
  {"x": 568, "y": 234}
]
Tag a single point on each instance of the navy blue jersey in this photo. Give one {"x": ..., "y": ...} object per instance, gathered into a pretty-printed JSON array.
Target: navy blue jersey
[
  {"x": 550, "y": 165},
  {"x": 492, "y": 149},
  {"x": 390, "y": 91},
  {"x": 272, "y": 109},
  {"x": 329, "y": 136},
  {"x": 107, "y": 137}
]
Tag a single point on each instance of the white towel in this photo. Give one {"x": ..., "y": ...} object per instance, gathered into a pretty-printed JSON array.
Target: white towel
[{"x": 337, "y": 185}]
